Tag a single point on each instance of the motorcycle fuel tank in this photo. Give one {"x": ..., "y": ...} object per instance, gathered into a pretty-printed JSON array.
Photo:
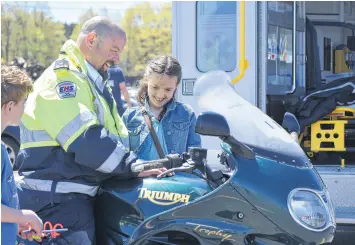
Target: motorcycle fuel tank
[{"x": 123, "y": 204}]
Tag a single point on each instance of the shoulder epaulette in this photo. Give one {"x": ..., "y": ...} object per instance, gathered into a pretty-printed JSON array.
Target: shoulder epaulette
[{"x": 61, "y": 64}]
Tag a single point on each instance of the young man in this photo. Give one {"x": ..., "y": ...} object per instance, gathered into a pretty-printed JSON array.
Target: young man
[{"x": 15, "y": 85}]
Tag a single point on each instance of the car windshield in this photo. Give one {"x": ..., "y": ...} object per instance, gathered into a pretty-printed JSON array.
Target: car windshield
[{"x": 248, "y": 124}]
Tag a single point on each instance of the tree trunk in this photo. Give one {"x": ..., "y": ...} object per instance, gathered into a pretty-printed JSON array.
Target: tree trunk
[{"x": 7, "y": 44}]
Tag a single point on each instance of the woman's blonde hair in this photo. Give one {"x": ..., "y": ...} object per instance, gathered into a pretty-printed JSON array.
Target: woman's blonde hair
[
  {"x": 15, "y": 84},
  {"x": 161, "y": 65}
]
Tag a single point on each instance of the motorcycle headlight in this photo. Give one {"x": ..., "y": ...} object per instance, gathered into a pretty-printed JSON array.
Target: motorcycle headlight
[{"x": 309, "y": 209}]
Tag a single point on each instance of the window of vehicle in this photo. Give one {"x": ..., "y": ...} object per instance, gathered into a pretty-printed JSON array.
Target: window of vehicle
[
  {"x": 280, "y": 47},
  {"x": 216, "y": 36},
  {"x": 280, "y": 57}
]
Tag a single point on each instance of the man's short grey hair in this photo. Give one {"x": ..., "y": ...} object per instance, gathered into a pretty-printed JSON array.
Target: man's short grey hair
[{"x": 102, "y": 26}]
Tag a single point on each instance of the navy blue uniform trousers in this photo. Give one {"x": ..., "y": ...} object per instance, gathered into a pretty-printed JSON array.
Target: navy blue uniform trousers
[{"x": 74, "y": 211}]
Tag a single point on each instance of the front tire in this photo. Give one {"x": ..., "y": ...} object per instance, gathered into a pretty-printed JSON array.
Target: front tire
[{"x": 12, "y": 148}]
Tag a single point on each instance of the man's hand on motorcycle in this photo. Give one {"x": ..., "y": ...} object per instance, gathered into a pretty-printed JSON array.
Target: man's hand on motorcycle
[{"x": 156, "y": 171}]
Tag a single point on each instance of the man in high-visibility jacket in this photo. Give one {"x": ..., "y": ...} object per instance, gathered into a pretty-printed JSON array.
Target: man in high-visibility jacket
[{"x": 72, "y": 137}]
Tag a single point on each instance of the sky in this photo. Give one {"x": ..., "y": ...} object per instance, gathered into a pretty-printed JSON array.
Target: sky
[{"x": 70, "y": 11}]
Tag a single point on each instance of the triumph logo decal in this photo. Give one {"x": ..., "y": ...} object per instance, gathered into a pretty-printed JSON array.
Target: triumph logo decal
[{"x": 162, "y": 197}]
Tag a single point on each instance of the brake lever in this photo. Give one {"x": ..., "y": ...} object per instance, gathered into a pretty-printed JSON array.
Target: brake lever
[
  {"x": 187, "y": 166},
  {"x": 164, "y": 174}
]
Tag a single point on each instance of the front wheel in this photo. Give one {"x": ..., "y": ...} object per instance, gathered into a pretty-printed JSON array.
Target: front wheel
[{"x": 12, "y": 148}]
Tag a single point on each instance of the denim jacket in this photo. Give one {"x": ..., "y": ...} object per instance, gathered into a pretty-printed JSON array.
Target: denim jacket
[{"x": 178, "y": 125}]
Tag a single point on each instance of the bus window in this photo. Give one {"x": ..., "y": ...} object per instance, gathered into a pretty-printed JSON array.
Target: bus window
[{"x": 216, "y": 36}]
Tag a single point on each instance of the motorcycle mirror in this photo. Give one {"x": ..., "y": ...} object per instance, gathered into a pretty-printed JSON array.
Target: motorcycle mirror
[
  {"x": 212, "y": 124},
  {"x": 290, "y": 123}
]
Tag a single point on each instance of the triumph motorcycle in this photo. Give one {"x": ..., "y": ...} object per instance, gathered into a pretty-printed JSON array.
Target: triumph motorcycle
[{"x": 258, "y": 188}]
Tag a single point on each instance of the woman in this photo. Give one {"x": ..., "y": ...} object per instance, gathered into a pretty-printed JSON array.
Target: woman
[{"x": 173, "y": 122}]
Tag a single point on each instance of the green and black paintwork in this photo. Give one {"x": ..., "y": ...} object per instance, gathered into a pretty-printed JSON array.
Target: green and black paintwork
[{"x": 249, "y": 208}]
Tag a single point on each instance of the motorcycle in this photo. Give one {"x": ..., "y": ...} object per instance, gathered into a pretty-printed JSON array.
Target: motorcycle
[{"x": 260, "y": 189}]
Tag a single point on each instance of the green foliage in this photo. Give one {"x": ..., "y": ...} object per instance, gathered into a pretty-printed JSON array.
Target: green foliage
[
  {"x": 35, "y": 36},
  {"x": 87, "y": 15},
  {"x": 31, "y": 35},
  {"x": 148, "y": 35}
]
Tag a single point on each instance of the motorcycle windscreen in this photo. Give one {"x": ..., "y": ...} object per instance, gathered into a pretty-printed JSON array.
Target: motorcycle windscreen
[{"x": 248, "y": 124}]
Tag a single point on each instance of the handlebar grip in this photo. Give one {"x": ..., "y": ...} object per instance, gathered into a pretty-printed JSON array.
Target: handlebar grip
[{"x": 170, "y": 161}]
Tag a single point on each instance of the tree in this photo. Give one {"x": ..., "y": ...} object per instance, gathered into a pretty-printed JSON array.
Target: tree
[
  {"x": 31, "y": 35},
  {"x": 84, "y": 17},
  {"x": 35, "y": 36},
  {"x": 148, "y": 35},
  {"x": 69, "y": 28},
  {"x": 5, "y": 35}
]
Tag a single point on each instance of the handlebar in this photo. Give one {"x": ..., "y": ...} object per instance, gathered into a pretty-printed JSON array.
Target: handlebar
[
  {"x": 194, "y": 159},
  {"x": 187, "y": 166},
  {"x": 171, "y": 161}
]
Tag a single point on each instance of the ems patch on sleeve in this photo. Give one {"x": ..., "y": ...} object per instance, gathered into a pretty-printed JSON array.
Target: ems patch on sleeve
[{"x": 66, "y": 90}]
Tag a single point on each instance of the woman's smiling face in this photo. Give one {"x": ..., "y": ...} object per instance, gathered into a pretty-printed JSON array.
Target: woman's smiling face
[{"x": 161, "y": 90}]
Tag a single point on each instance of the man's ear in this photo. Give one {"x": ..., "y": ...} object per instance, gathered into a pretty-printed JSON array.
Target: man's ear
[{"x": 90, "y": 39}]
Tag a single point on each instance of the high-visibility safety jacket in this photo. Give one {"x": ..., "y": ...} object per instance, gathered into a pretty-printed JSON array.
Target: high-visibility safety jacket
[{"x": 72, "y": 137}]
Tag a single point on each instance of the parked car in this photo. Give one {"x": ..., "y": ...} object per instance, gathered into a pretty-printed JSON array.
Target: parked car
[{"x": 11, "y": 139}]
